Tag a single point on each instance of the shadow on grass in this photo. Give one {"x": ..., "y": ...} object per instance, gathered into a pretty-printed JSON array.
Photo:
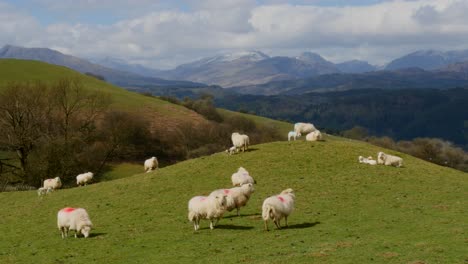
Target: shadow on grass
[
  {"x": 242, "y": 215},
  {"x": 303, "y": 225},
  {"x": 97, "y": 234},
  {"x": 234, "y": 227}
]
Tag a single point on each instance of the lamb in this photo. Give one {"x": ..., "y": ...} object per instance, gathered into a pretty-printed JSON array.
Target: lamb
[
  {"x": 206, "y": 207},
  {"x": 236, "y": 197},
  {"x": 84, "y": 178},
  {"x": 151, "y": 164},
  {"x": 314, "y": 136},
  {"x": 293, "y": 134},
  {"x": 304, "y": 128},
  {"x": 241, "y": 177},
  {"x": 367, "y": 160},
  {"x": 54, "y": 183},
  {"x": 240, "y": 141},
  {"x": 278, "y": 206},
  {"x": 231, "y": 150},
  {"x": 389, "y": 160},
  {"x": 43, "y": 191},
  {"x": 74, "y": 219}
]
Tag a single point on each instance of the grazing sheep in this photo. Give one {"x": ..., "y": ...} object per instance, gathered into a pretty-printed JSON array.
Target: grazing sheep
[
  {"x": 278, "y": 206},
  {"x": 54, "y": 183},
  {"x": 231, "y": 150},
  {"x": 389, "y": 160},
  {"x": 314, "y": 136},
  {"x": 240, "y": 141},
  {"x": 151, "y": 164},
  {"x": 43, "y": 191},
  {"x": 241, "y": 177},
  {"x": 236, "y": 197},
  {"x": 304, "y": 128},
  {"x": 206, "y": 207},
  {"x": 84, "y": 178},
  {"x": 367, "y": 160},
  {"x": 74, "y": 219},
  {"x": 293, "y": 134}
]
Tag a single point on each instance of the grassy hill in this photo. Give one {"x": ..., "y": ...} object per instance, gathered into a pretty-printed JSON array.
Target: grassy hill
[{"x": 346, "y": 212}]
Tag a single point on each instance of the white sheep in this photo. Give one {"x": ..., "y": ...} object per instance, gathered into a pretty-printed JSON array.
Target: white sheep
[
  {"x": 84, "y": 178},
  {"x": 54, "y": 183},
  {"x": 151, "y": 164},
  {"x": 240, "y": 141},
  {"x": 43, "y": 191},
  {"x": 369, "y": 160},
  {"x": 236, "y": 197},
  {"x": 231, "y": 150},
  {"x": 206, "y": 207},
  {"x": 389, "y": 160},
  {"x": 74, "y": 219},
  {"x": 240, "y": 177},
  {"x": 304, "y": 128},
  {"x": 314, "y": 136},
  {"x": 278, "y": 206},
  {"x": 293, "y": 134}
]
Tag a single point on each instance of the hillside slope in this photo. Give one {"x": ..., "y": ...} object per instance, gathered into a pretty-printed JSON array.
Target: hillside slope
[{"x": 346, "y": 212}]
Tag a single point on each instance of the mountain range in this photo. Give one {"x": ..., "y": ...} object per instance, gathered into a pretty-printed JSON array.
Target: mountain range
[{"x": 117, "y": 77}]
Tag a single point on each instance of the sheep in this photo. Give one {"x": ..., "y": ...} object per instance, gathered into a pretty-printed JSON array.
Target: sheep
[
  {"x": 367, "y": 160},
  {"x": 206, "y": 207},
  {"x": 304, "y": 128},
  {"x": 151, "y": 164},
  {"x": 240, "y": 141},
  {"x": 54, "y": 183},
  {"x": 278, "y": 206},
  {"x": 240, "y": 177},
  {"x": 236, "y": 197},
  {"x": 84, "y": 178},
  {"x": 293, "y": 134},
  {"x": 43, "y": 191},
  {"x": 389, "y": 160},
  {"x": 314, "y": 136},
  {"x": 74, "y": 219},
  {"x": 231, "y": 150}
]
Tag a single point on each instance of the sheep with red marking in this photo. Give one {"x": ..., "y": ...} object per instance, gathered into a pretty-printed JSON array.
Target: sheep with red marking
[
  {"x": 236, "y": 197},
  {"x": 278, "y": 206},
  {"x": 241, "y": 177},
  {"x": 314, "y": 136},
  {"x": 151, "y": 164},
  {"x": 74, "y": 219},
  {"x": 206, "y": 207},
  {"x": 304, "y": 128},
  {"x": 389, "y": 160},
  {"x": 54, "y": 183},
  {"x": 84, "y": 178}
]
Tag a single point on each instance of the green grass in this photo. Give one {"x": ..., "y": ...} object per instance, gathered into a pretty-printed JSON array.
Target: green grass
[
  {"x": 121, "y": 170},
  {"x": 346, "y": 212}
]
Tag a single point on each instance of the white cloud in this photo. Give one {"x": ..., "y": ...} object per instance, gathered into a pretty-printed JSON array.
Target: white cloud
[{"x": 169, "y": 36}]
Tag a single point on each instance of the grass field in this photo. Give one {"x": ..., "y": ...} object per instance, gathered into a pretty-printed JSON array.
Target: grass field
[{"x": 346, "y": 212}]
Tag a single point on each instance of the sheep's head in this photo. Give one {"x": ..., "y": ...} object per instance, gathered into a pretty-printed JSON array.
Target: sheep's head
[
  {"x": 248, "y": 188},
  {"x": 381, "y": 158},
  {"x": 361, "y": 158},
  {"x": 298, "y": 134},
  {"x": 221, "y": 199},
  {"x": 85, "y": 230},
  {"x": 288, "y": 191}
]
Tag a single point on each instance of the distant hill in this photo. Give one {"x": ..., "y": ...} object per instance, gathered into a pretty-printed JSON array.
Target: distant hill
[
  {"x": 249, "y": 68},
  {"x": 428, "y": 59},
  {"x": 411, "y": 78},
  {"x": 116, "y": 77},
  {"x": 122, "y": 65},
  {"x": 355, "y": 66}
]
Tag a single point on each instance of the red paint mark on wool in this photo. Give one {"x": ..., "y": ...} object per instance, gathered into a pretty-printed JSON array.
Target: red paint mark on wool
[
  {"x": 281, "y": 199},
  {"x": 226, "y": 191},
  {"x": 202, "y": 199},
  {"x": 68, "y": 209}
]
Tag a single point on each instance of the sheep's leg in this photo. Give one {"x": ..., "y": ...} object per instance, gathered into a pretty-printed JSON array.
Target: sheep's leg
[
  {"x": 277, "y": 223},
  {"x": 211, "y": 224},
  {"x": 266, "y": 225},
  {"x": 76, "y": 232},
  {"x": 238, "y": 211},
  {"x": 286, "y": 219},
  {"x": 62, "y": 232}
]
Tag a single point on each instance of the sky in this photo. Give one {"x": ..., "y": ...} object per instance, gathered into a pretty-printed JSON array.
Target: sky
[{"x": 166, "y": 33}]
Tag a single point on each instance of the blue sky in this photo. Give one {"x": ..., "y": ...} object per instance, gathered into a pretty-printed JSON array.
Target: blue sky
[{"x": 164, "y": 34}]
